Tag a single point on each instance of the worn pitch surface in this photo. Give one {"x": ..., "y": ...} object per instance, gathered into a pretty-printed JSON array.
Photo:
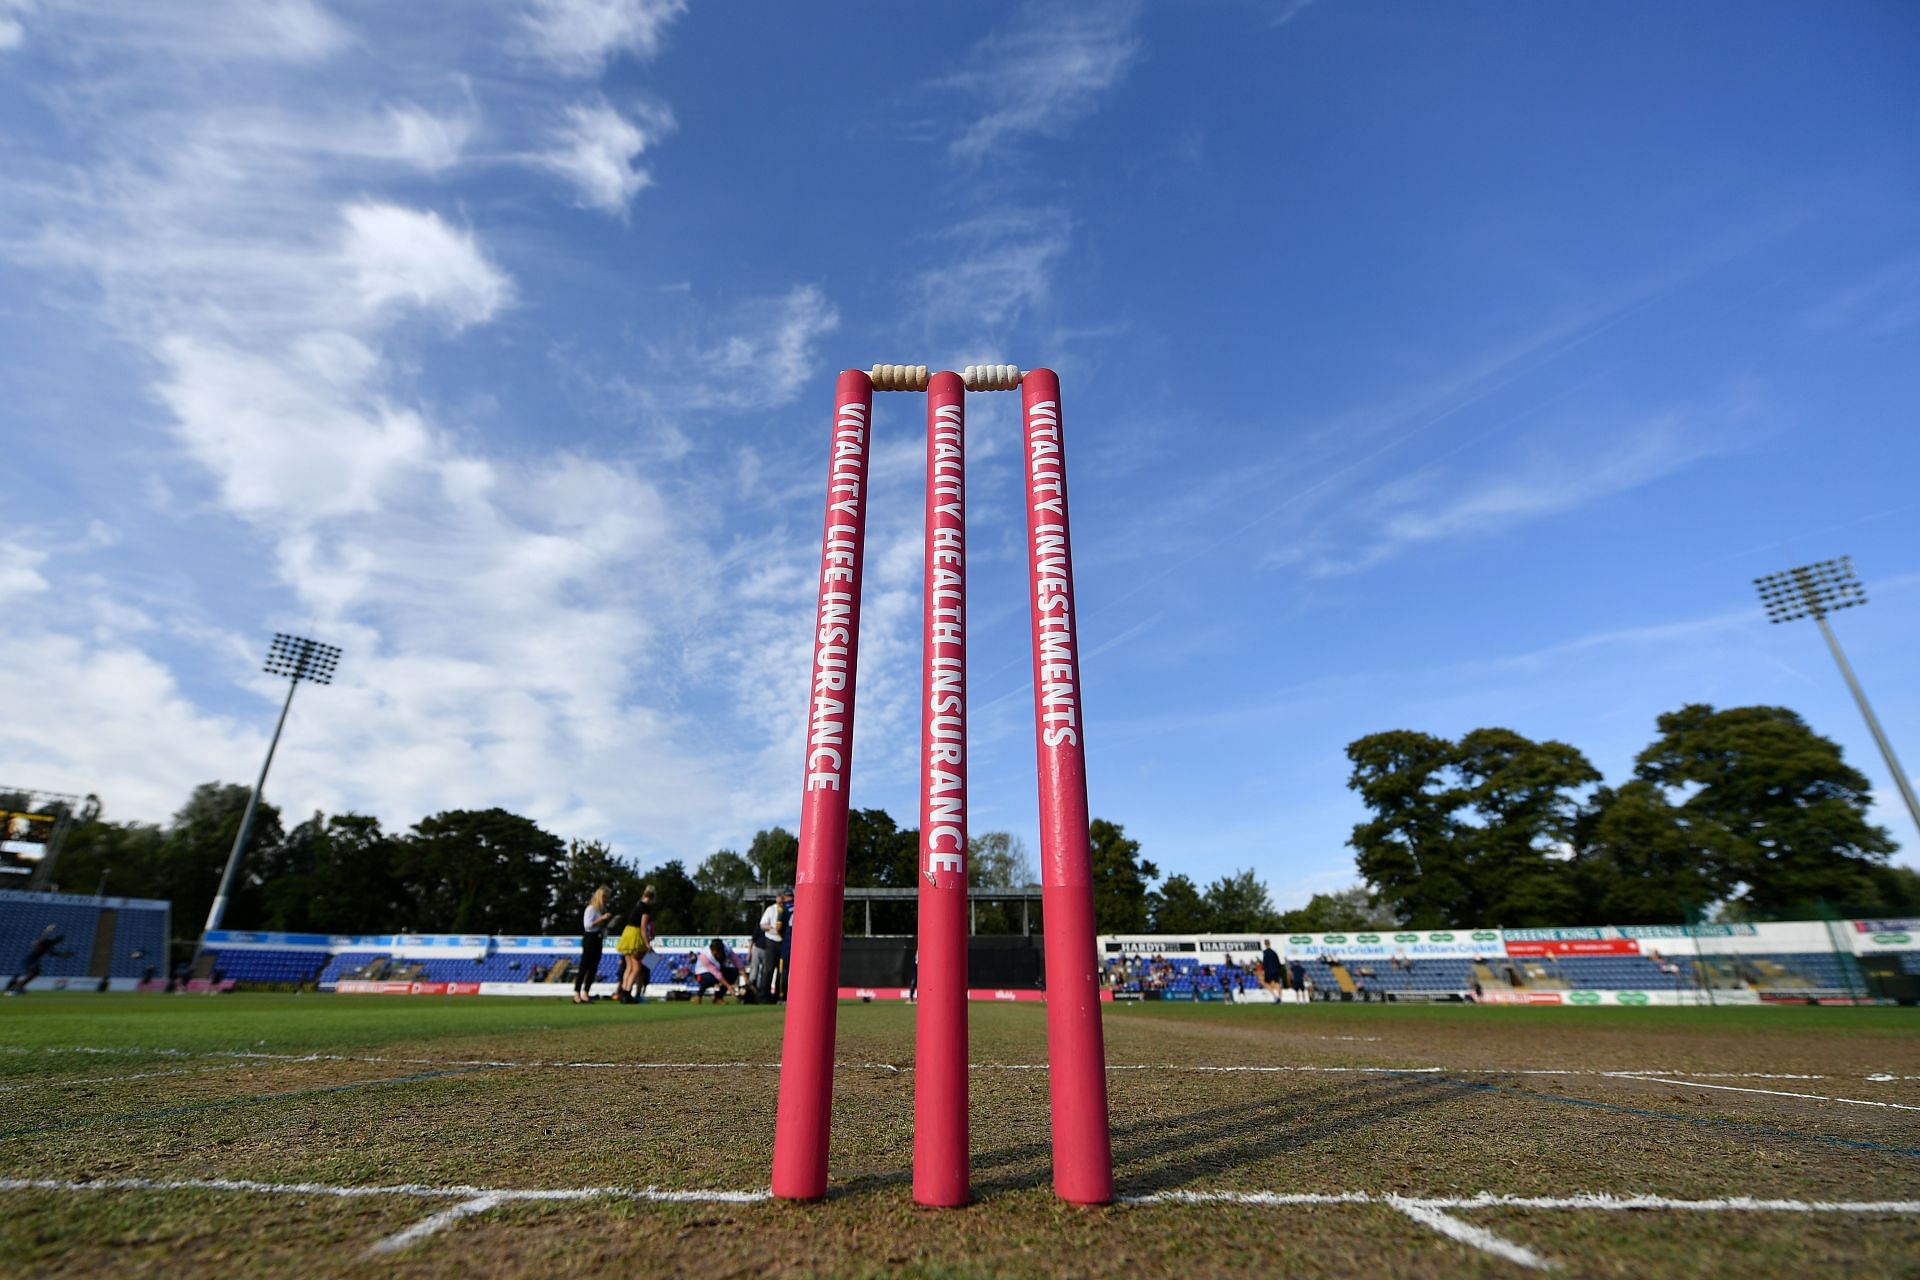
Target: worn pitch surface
[{"x": 304, "y": 1136}]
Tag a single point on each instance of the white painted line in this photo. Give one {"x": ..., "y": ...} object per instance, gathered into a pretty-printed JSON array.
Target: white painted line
[
  {"x": 251, "y": 1055},
  {"x": 432, "y": 1223},
  {"x": 138, "y": 1075},
  {"x": 1468, "y": 1234},
  {"x": 1271, "y": 1199},
  {"x": 1776, "y": 1093},
  {"x": 1734, "y": 1204}
]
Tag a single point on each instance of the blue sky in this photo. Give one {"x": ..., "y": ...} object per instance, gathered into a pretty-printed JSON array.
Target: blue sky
[{"x": 1425, "y": 367}]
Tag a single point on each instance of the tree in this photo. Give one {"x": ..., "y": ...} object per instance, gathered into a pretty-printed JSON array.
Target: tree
[
  {"x": 1408, "y": 851},
  {"x": 194, "y": 853},
  {"x": 1785, "y": 811},
  {"x": 480, "y": 871},
  {"x": 774, "y": 855},
  {"x": 721, "y": 882},
  {"x": 1239, "y": 904},
  {"x": 590, "y": 864},
  {"x": 1120, "y": 877},
  {"x": 998, "y": 860},
  {"x": 1522, "y": 792},
  {"x": 674, "y": 899},
  {"x": 1641, "y": 860},
  {"x": 111, "y": 857},
  {"x": 1341, "y": 912},
  {"x": 1176, "y": 907},
  {"x": 884, "y": 855}
]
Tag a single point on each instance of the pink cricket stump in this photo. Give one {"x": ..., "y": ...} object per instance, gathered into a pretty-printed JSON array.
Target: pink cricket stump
[
  {"x": 1076, "y": 1055},
  {"x": 806, "y": 1062},
  {"x": 940, "y": 1025}
]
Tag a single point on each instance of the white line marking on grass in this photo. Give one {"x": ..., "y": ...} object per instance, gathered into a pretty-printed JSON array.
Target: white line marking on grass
[
  {"x": 1466, "y": 1233},
  {"x": 1776, "y": 1093},
  {"x": 1271, "y": 1199},
  {"x": 139, "y": 1075},
  {"x": 433, "y": 1223}
]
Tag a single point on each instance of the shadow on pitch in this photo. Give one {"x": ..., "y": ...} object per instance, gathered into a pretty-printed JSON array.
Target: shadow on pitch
[{"x": 1166, "y": 1153}]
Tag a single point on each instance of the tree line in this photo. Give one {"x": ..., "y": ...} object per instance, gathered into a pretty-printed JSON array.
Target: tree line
[
  {"x": 493, "y": 871},
  {"x": 1745, "y": 812}
]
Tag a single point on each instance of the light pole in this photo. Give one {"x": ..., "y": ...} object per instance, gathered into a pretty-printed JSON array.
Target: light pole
[
  {"x": 1814, "y": 591},
  {"x": 297, "y": 659}
]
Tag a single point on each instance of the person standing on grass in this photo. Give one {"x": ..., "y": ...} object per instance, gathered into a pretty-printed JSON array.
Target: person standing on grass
[
  {"x": 632, "y": 946},
  {"x": 785, "y": 917},
  {"x": 43, "y": 946},
  {"x": 641, "y": 918},
  {"x": 1270, "y": 969},
  {"x": 593, "y": 930}
]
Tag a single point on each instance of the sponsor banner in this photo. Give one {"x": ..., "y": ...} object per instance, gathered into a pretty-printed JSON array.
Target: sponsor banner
[
  {"x": 1886, "y": 926},
  {"x": 1520, "y": 997},
  {"x": 698, "y": 942},
  {"x": 1619, "y": 999},
  {"x": 1384, "y": 944},
  {"x": 362, "y": 987},
  {"x": 82, "y": 900},
  {"x": 235, "y": 940},
  {"x": 1590, "y": 932},
  {"x": 1886, "y": 939},
  {"x": 1687, "y": 931},
  {"x": 1574, "y": 947}
]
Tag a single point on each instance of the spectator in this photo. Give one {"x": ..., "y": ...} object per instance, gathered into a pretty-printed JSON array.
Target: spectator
[
  {"x": 593, "y": 927},
  {"x": 782, "y": 973},
  {"x": 763, "y": 954},
  {"x": 1270, "y": 969},
  {"x": 43, "y": 946},
  {"x": 712, "y": 969},
  {"x": 1297, "y": 972}
]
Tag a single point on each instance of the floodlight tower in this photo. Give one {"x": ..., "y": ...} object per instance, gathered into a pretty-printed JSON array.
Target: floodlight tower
[
  {"x": 297, "y": 659},
  {"x": 1814, "y": 591}
]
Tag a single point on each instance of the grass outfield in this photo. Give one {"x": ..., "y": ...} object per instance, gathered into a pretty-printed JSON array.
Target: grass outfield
[{"x": 382, "y": 1136}]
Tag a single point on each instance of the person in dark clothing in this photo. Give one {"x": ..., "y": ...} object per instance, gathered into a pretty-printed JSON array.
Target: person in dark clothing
[
  {"x": 786, "y": 945},
  {"x": 1270, "y": 970},
  {"x": 43, "y": 946}
]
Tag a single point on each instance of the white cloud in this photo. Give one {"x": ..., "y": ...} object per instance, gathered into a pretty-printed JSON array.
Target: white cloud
[
  {"x": 20, "y": 571},
  {"x": 425, "y": 140},
  {"x": 405, "y": 257},
  {"x": 762, "y": 363},
  {"x": 595, "y": 150},
  {"x": 1047, "y": 73},
  {"x": 295, "y": 437},
  {"x": 209, "y": 31},
  {"x": 13, "y": 32},
  {"x": 579, "y": 36}
]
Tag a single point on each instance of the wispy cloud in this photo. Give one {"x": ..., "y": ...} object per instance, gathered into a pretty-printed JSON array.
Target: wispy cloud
[
  {"x": 995, "y": 270},
  {"x": 1574, "y": 466},
  {"x": 595, "y": 149},
  {"x": 580, "y": 36},
  {"x": 756, "y": 355},
  {"x": 1045, "y": 73},
  {"x": 1884, "y": 300}
]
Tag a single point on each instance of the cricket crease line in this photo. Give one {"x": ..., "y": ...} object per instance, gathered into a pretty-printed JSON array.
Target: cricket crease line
[
  {"x": 249, "y": 1055},
  {"x": 1777, "y": 1093},
  {"x": 432, "y": 1223},
  {"x": 1601, "y": 1201},
  {"x": 138, "y": 1075},
  {"x": 1466, "y": 1233}
]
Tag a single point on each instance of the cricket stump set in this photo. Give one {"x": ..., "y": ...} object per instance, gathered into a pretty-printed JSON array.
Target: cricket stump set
[{"x": 1082, "y": 1149}]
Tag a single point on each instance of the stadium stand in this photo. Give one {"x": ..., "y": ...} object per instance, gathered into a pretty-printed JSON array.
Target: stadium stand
[
  {"x": 1589, "y": 965},
  {"x": 118, "y": 940}
]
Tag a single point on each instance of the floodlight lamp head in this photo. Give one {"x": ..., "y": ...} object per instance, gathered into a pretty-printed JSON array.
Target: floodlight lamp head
[
  {"x": 299, "y": 658},
  {"x": 1811, "y": 590}
]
